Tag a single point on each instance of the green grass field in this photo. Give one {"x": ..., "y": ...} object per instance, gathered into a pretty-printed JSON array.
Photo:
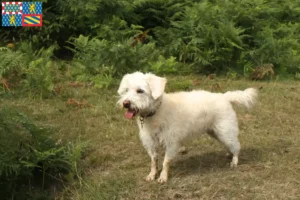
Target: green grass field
[{"x": 116, "y": 164}]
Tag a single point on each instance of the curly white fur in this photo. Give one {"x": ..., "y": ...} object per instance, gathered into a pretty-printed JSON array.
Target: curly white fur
[{"x": 178, "y": 116}]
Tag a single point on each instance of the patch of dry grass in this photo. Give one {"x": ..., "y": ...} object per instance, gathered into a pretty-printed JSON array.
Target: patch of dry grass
[{"x": 116, "y": 165}]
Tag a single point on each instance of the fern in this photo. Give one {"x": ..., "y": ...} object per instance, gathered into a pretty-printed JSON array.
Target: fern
[
  {"x": 93, "y": 54},
  {"x": 164, "y": 65},
  {"x": 26, "y": 148},
  {"x": 209, "y": 35},
  {"x": 10, "y": 61}
]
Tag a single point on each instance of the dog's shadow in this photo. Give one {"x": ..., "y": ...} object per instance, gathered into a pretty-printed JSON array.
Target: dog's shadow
[{"x": 211, "y": 161}]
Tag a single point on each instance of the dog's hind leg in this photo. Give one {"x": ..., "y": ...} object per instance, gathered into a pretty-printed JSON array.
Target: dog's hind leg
[
  {"x": 228, "y": 135},
  {"x": 212, "y": 134},
  {"x": 234, "y": 148}
]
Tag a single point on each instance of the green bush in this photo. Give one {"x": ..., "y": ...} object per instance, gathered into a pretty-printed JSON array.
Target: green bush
[
  {"x": 215, "y": 36},
  {"x": 10, "y": 61},
  {"x": 36, "y": 69},
  {"x": 164, "y": 65},
  {"x": 105, "y": 39},
  {"x": 92, "y": 57},
  {"x": 29, "y": 155}
]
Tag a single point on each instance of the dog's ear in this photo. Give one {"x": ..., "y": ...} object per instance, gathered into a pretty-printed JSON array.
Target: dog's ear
[{"x": 157, "y": 85}]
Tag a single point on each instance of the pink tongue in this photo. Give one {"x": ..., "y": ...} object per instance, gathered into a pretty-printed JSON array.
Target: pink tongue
[{"x": 129, "y": 114}]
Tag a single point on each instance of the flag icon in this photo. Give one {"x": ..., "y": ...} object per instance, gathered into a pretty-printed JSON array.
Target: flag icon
[
  {"x": 22, "y": 13},
  {"x": 32, "y": 7},
  {"x": 11, "y": 20},
  {"x": 32, "y": 20},
  {"x": 11, "y": 8}
]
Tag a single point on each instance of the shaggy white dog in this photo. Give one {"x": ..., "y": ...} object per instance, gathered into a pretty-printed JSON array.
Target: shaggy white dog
[{"x": 169, "y": 119}]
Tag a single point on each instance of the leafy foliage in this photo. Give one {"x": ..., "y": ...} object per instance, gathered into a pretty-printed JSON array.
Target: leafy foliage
[
  {"x": 27, "y": 150},
  {"x": 163, "y": 65},
  {"x": 35, "y": 68},
  {"x": 10, "y": 61},
  {"x": 106, "y": 39},
  {"x": 93, "y": 56}
]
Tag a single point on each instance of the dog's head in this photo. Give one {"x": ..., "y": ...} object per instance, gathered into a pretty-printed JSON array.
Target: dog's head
[{"x": 140, "y": 92}]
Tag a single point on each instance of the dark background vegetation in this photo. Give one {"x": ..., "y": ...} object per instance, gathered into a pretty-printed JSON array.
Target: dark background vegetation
[
  {"x": 95, "y": 42},
  {"x": 99, "y": 40}
]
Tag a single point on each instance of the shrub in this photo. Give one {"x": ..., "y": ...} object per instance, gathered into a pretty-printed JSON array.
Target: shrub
[
  {"x": 35, "y": 69},
  {"x": 28, "y": 152},
  {"x": 163, "y": 65},
  {"x": 10, "y": 61},
  {"x": 92, "y": 56},
  {"x": 40, "y": 70},
  {"x": 106, "y": 39}
]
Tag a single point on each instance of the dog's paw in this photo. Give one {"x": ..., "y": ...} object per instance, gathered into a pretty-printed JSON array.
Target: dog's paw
[
  {"x": 233, "y": 165},
  {"x": 150, "y": 177},
  {"x": 234, "y": 162},
  {"x": 162, "y": 179}
]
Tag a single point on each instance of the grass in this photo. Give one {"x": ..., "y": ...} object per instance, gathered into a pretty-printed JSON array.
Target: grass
[{"x": 116, "y": 164}]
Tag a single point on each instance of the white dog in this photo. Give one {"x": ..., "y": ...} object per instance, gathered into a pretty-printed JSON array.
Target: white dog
[{"x": 169, "y": 119}]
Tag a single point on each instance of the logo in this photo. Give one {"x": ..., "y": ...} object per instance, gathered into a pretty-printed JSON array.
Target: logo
[{"x": 22, "y": 14}]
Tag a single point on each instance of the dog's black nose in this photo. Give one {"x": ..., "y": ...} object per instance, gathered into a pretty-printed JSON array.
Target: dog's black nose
[{"x": 126, "y": 104}]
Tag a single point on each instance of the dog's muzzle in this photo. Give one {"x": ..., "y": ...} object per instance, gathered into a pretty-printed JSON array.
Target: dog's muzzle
[
  {"x": 130, "y": 112},
  {"x": 126, "y": 104}
]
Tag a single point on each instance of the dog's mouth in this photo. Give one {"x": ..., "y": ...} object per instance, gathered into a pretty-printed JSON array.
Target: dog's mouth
[{"x": 130, "y": 113}]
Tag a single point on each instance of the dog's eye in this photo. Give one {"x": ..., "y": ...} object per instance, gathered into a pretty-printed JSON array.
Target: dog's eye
[
  {"x": 140, "y": 91},
  {"x": 126, "y": 90}
]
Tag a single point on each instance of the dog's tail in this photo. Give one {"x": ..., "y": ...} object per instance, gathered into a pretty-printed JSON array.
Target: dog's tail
[{"x": 246, "y": 98}]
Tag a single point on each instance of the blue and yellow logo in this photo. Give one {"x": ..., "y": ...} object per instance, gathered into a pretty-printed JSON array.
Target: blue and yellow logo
[
  {"x": 32, "y": 20},
  {"x": 32, "y": 7},
  {"x": 11, "y": 20}
]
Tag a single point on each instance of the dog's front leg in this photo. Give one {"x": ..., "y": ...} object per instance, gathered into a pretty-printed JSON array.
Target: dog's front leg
[
  {"x": 153, "y": 170},
  {"x": 171, "y": 151},
  {"x": 151, "y": 147}
]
